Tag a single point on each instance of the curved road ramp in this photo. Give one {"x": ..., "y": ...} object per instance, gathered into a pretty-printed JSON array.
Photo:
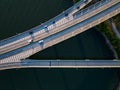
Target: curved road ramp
[{"x": 62, "y": 64}]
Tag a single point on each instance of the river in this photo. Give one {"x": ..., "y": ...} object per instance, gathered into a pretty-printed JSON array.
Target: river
[{"x": 20, "y": 15}]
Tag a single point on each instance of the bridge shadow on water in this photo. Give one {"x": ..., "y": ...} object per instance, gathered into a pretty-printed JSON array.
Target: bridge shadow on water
[
  {"x": 87, "y": 45},
  {"x": 58, "y": 79}
]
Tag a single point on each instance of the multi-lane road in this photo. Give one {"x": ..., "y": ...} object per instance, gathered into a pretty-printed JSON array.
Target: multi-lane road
[
  {"x": 55, "y": 25},
  {"x": 42, "y": 39},
  {"x": 40, "y": 31},
  {"x": 62, "y": 64},
  {"x": 33, "y": 48}
]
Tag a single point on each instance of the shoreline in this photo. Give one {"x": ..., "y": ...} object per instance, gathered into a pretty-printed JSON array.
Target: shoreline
[{"x": 108, "y": 42}]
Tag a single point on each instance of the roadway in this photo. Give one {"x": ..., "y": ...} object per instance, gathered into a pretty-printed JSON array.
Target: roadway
[
  {"x": 28, "y": 37},
  {"x": 61, "y": 24},
  {"x": 91, "y": 11},
  {"x": 33, "y": 48},
  {"x": 62, "y": 64}
]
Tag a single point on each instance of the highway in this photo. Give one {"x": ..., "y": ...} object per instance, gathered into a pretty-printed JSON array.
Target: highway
[
  {"x": 25, "y": 52},
  {"x": 81, "y": 21},
  {"x": 62, "y": 64},
  {"x": 33, "y": 34},
  {"x": 91, "y": 11},
  {"x": 59, "y": 25}
]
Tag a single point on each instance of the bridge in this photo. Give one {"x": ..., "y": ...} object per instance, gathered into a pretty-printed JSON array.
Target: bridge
[
  {"x": 61, "y": 64},
  {"x": 41, "y": 31},
  {"x": 64, "y": 26}
]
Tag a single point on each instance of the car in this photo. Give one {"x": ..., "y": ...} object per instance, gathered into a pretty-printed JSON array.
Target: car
[
  {"x": 41, "y": 41},
  {"x": 46, "y": 28},
  {"x": 29, "y": 41}
]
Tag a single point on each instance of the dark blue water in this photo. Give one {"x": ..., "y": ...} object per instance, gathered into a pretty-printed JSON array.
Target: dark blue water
[
  {"x": 58, "y": 79},
  {"x": 20, "y": 15}
]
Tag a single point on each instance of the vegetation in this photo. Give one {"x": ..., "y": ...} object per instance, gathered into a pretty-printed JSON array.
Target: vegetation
[
  {"x": 107, "y": 30},
  {"x": 116, "y": 19},
  {"x": 75, "y": 1}
]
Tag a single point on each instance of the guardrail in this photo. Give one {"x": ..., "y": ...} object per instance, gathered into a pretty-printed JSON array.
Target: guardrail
[
  {"x": 44, "y": 34},
  {"x": 91, "y": 8},
  {"x": 76, "y": 20},
  {"x": 62, "y": 64},
  {"x": 50, "y": 21},
  {"x": 23, "y": 39}
]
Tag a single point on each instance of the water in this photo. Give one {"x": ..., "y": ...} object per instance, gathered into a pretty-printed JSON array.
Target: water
[
  {"x": 21, "y": 15},
  {"x": 58, "y": 79},
  {"x": 88, "y": 45}
]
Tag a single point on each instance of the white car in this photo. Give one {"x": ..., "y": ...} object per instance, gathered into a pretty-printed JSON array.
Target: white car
[
  {"x": 41, "y": 41},
  {"x": 29, "y": 41}
]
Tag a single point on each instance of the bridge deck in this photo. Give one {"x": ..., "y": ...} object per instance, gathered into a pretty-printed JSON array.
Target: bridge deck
[
  {"x": 62, "y": 64},
  {"x": 27, "y": 37},
  {"x": 61, "y": 36},
  {"x": 48, "y": 28},
  {"x": 61, "y": 22}
]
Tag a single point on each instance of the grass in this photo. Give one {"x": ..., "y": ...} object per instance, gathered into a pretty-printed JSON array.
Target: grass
[{"x": 116, "y": 19}]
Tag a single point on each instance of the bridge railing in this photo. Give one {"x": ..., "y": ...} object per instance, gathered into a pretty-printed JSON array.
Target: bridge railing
[
  {"x": 50, "y": 21},
  {"x": 71, "y": 63},
  {"x": 19, "y": 37},
  {"x": 20, "y": 54},
  {"x": 84, "y": 11},
  {"x": 25, "y": 37},
  {"x": 62, "y": 64},
  {"x": 81, "y": 12},
  {"x": 91, "y": 8}
]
